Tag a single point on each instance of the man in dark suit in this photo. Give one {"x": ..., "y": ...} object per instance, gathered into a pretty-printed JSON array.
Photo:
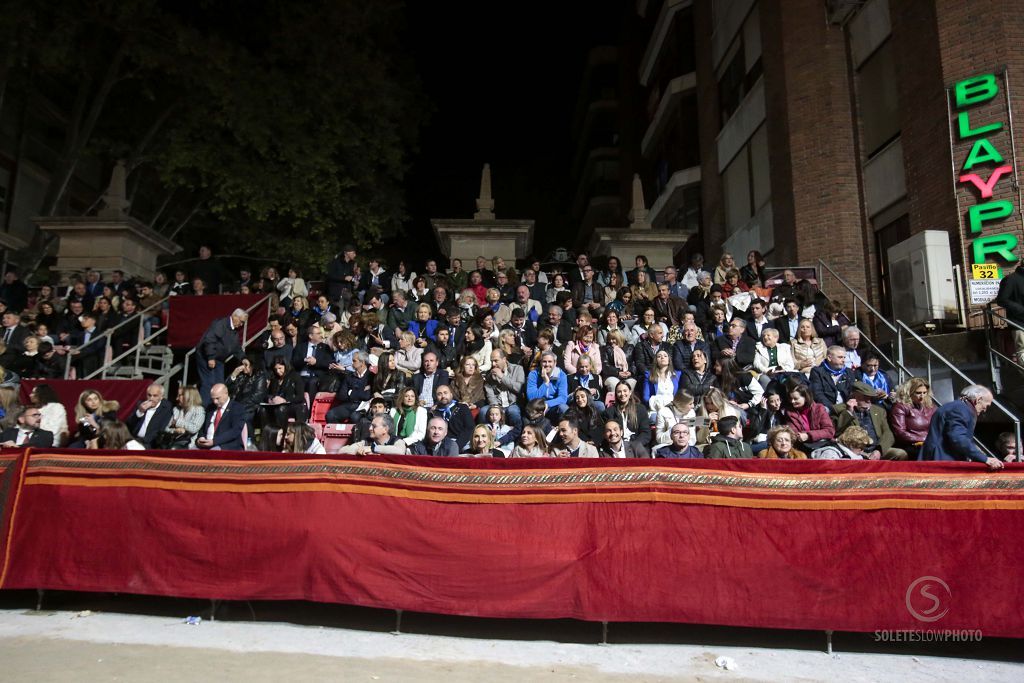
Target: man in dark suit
[
  {"x": 523, "y": 329},
  {"x": 14, "y": 334},
  {"x": 683, "y": 350},
  {"x": 88, "y": 354},
  {"x": 312, "y": 360},
  {"x": 150, "y": 417},
  {"x": 355, "y": 387},
  {"x": 614, "y": 447},
  {"x": 669, "y": 309},
  {"x": 457, "y": 415},
  {"x": 14, "y": 291},
  {"x": 788, "y": 324},
  {"x": 219, "y": 343},
  {"x": 27, "y": 431},
  {"x": 225, "y": 420},
  {"x": 560, "y": 328},
  {"x": 736, "y": 344},
  {"x": 427, "y": 380},
  {"x": 277, "y": 344},
  {"x": 577, "y": 274},
  {"x": 758, "y": 321},
  {"x": 951, "y": 434},
  {"x": 832, "y": 382},
  {"x": 436, "y": 441}
]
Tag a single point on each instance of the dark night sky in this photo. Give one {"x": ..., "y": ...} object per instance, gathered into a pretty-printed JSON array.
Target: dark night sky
[{"x": 503, "y": 79}]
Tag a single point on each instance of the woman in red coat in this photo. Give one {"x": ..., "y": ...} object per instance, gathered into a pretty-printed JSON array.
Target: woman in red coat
[
  {"x": 911, "y": 414},
  {"x": 808, "y": 419}
]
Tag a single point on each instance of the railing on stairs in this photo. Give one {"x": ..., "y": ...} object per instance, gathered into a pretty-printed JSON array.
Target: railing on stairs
[
  {"x": 108, "y": 334},
  {"x": 246, "y": 339},
  {"x": 994, "y": 323}
]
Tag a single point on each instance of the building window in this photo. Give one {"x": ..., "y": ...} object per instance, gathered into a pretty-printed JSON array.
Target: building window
[
  {"x": 742, "y": 67},
  {"x": 879, "y": 102},
  {"x": 746, "y": 182}
]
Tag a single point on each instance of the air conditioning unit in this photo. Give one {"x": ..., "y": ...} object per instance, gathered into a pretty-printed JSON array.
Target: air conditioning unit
[{"x": 921, "y": 279}]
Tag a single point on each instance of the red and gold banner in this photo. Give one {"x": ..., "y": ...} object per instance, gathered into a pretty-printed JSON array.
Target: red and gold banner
[{"x": 778, "y": 544}]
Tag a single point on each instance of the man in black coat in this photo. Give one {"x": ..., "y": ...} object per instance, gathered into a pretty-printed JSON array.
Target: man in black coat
[
  {"x": 832, "y": 382},
  {"x": 341, "y": 276},
  {"x": 1011, "y": 297},
  {"x": 457, "y": 415},
  {"x": 13, "y": 334},
  {"x": 219, "y": 343},
  {"x": 355, "y": 387},
  {"x": 14, "y": 291},
  {"x": 758, "y": 320},
  {"x": 224, "y": 423},
  {"x": 150, "y": 417},
  {"x": 27, "y": 431},
  {"x": 647, "y": 348},
  {"x": 427, "y": 380},
  {"x": 736, "y": 345},
  {"x": 88, "y": 354},
  {"x": 683, "y": 350},
  {"x": 312, "y": 360}
]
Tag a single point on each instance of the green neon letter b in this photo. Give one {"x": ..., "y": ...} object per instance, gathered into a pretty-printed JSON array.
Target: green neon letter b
[{"x": 975, "y": 90}]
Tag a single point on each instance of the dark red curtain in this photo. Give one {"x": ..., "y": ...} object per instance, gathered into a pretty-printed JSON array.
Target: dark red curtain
[
  {"x": 127, "y": 392},
  {"x": 189, "y": 316},
  {"x": 804, "y": 545}
]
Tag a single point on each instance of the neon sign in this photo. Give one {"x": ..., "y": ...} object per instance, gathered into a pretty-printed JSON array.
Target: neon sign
[{"x": 985, "y": 169}]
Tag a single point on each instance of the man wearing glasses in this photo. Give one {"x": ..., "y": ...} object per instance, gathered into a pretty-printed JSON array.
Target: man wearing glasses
[
  {"x": 587, "y": 293},
  {"x": 736, "y": 345},
  {"x": 27, "y": 432}
]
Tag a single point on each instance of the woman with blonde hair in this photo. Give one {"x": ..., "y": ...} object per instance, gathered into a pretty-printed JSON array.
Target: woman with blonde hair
[
  {"x": 911, "y": 414},
  {"x": 808, "y": 349},
  {"x": 644, "y": 291},
  {"x": 187, "y": 418},
  {"x": 90, "y": 409},
  {"x": 8, "y": 404},
  {"x": 712, "y": 408},
  {"x": 481, "y": 444},
  {"x": 781, "y": 442},
  {"x": 725, "y": 264},
  {"x": 300, "y": 314}
]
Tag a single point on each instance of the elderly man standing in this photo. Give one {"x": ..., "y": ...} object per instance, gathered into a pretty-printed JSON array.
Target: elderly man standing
[
  {"x": 951, "y": 435},
  {"x": 219, "y": 343}
]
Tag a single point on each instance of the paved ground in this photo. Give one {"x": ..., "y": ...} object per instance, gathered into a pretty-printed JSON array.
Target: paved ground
[{"x": 332, "y": 642}]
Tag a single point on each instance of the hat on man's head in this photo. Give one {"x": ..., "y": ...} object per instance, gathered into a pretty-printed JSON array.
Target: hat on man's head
[{"x": 864, "y": 388}]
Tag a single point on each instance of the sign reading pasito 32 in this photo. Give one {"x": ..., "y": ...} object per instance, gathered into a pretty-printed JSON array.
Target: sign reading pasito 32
[{"x": 984, "y": 165}]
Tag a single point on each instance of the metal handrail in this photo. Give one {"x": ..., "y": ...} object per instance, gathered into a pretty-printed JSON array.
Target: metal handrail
[
  {"x": 990, "y": 317},
  {"x": 137, "y": 349},
  {"x": 109, "y": 334},
  {"x": 857, "y": 297},
  {"x": 995, "y": 402},
  {"x": 246, "y": 340}
]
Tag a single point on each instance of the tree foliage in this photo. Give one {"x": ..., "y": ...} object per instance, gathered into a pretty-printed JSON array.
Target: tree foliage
[{"x": 284, "y": 127}]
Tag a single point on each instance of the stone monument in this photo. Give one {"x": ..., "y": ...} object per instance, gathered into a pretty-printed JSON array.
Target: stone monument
[
  {"x": 110, "y": 240},
  {"x": 659, "y": 246},
  {"x": 483, "y": 235}
]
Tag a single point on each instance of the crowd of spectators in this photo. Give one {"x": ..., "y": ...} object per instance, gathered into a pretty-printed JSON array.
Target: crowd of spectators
[{"x": 570, "y": 361}]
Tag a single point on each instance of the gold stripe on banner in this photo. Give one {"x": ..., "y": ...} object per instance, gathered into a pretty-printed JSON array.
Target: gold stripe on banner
[{"x": 989, "y": 503}]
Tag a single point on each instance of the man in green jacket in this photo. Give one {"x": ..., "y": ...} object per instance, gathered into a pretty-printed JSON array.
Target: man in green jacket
[
  {"x": 862, "y": 411},
  {"x": 728, "y": 443}
]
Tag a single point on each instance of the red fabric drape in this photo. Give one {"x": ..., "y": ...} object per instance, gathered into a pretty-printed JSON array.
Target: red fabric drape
[
  {"x": 189, "y": 316},
  {"x": 127, "y": 392},
  {"x": 805, "y": 545}
]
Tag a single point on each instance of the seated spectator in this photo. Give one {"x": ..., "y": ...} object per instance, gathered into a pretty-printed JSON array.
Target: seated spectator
[
  {"x": 728, "y": 443},
  {"x": 631, "y": 416},
  {"x": 679, "y": 409},
  {"x": 443, "y": 349},
  {"x": 788, "y": 325},
  {"x": 614, "y": 446},
  {"x": 503, "y": 385},
  {"x": 582, "y": 345},
  {"x": 535, "y": 415},
  {"x": 150, "y": 417},
  {"x": 812, "y": 427},
  {"x": 409, "y": 417},
  {"x": 54, "y": 417},
  {"x": 736, "y": 345},
  {"x": 808, "y": 350},
  {"x": 832, "y": 382},
  {"x": 356, "y": 388},
  {"x": 477, "y": 346},
  {"x": 558, "y": 285},
  {"x": 740, "y": 386},
  {"x": 468, "y": 384},
  {"x": 532, "y": 443},
  {"x": 300, "y": 438},
  {"x": 1006, "y": 447},
  {"x": 851, "y": 342},
  {"x": 643, "y": 289},
  {"x": 585, "y": 378},
  {"x": 423, "y": 327},
  {"x": 571, "y": 446},
  {"x": 683, "y": 349},
  {"x": 381, "y": 439},
  {"x": 436, "y": 441},
  {"x": 481, "y": 444},
  {"x": 912, "y": 414},
  {"x": 587, "y": 415},
  {"x": 733, "y": 285},
  {"x": 642, "y": 266},
  {"x": 661, "y": 382},
  {"x": 426, "y": 381},
  {"x": 89, "y": 411},
  {"x": 679, "y": 445},
  {"x": 648, "y": 344},
  {"x": 860, "y": 410},
  {"x": 781, "y": 442},
  {"x": 224, "y": 423},
  {"x": 361, "y": 432},
  {"x": 457, "y": 415},
  {"x": 773, "y": 360},
  {"x": 616, "y": 364},
  {"x": 26, "y": 430},
  {"x": 764, "y": 417},
  {"x": 725, "y": 264},
  {"x": 49, "y": 363},
  {"x": 871, "y": 374},
  {"x": 829, "y": 322},
  {"x": 493, "y": 417},
  {"x": 698, "y": 379},
  {"x": 548, "y": 383},
  {"x": 851, "y": 444},
  {"x": 379, "y": 337},
  {"x": 187, "y": 418},
  {"x": 753, "y": 273},
  {"x": 114, "y": 435},
  {"x": 248, "y": 387},
  {"x": 285, "y": 398}
]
